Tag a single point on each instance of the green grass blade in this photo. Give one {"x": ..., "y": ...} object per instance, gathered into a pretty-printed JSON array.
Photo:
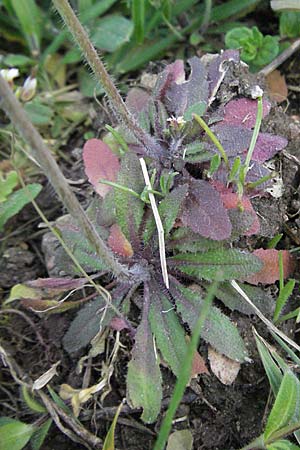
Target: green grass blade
[
  {"x": 30, "y": 19},
  {"x": 138, "y": 17}
]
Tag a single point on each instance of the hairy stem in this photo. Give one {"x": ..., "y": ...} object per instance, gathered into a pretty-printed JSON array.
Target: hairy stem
[
  {"x": 81, "y": 38},
  {"x": 43, "y": 156}
]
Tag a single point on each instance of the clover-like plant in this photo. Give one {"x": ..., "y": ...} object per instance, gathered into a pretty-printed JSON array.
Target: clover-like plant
[{"x": 202, "y": 216}]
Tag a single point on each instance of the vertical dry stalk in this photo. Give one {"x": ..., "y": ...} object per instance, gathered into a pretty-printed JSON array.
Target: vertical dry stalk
[
  {"x": 151, "y": 147},
  {"x": 43, "y": 156}
]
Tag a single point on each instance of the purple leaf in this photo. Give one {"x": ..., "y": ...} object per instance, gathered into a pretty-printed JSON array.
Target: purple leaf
[
  {"x": 183, "y": 94},
  {"x": 217, "y": 70},
  {"x": 137, "y": 100},
  {"x": 204, "y": 213},
  {"x": 234, "y": 139},
  {"x": 57, "y": 285},
  {"x": 173, "y": 73},
  {"x": 267, "y": 145},
  {"x": 243, "y": 112},
  {"x": 100, "y": 163}
]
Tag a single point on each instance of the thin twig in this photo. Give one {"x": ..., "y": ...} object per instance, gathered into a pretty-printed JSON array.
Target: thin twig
[
  {"x": 269, "y": 324},
  {"x": 281, "y": 58},
  {"x": 159, "y": 225},
  {"x": 119, "y": 107}
]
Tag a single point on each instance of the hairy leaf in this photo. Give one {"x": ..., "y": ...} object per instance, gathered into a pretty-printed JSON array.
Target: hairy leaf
[
  {"x": 184, "y": 240},
  {"x": 233, "y": 300},
  {"x": 169, "y": 334},
  {"x": 168, "y": 210},
  {"x": 144, "y": 378},
  {"x": 226, "y": 264},
  {"x": 186, "y": 96},
  {"x": 217, "y": 331},
  {"x": 203, "y": 211},
  {"x": 100, "y": 164},
  {"x": 285, "y": 410},
  {"x": 89, "y": 320},
  {"x": 129, "y": 209},
  {"x": 269, "y": 272}
]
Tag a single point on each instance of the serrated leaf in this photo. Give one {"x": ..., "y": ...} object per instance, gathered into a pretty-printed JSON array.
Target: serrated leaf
[
  {"x": 233, "y": 300},
  {"x": 144, "y": 378},
  {"x": 168, "y": 210},
  {"x": 184, "y": 240},
  {"x": 88, "y": 321},
  {"x": 269, "y": 272},
  {"x": 16, "y": 201},
  {"x": 227, "y": 263},
  {"x": 218, "y": 331},
  {"x": 39, "y": 435},
  {"x": 15, "y": 435},
  {"x": 283, "y": 444},
  {"x": 232, "y": 202},
  {"x": 129, "y": 209},
  {"x": 285, "y": 410},
  {"x": 100, "y": 163},
  {"x": 203, "y": 211},
  {"x": 110, "y": 32},
  {"x": 168, "y": 332},
  {"x": 234, "y": 139}
]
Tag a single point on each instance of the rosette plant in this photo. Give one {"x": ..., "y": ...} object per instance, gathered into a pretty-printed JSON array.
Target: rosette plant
[
  {"x": 171, "y": 139},
  {"x": 202, "y": 216}
]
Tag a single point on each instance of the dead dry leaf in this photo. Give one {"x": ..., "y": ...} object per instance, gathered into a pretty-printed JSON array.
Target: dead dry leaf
[
  {"x": 277, "y": 88},
  {"x": 225, "y": 369}
]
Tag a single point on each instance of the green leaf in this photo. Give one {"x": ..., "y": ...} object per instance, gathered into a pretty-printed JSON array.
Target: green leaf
[
  {"x": 227, "y": 263},
  {"x": 39, "y": 435},
  {"x": 111, "y": 32},
  {"x": 16, "y": 201},
  {"x": 31, "y": 402},
  {"x": 180, "y": 440},
  {"x": 88, "y": 85},
  {"x": 14, "y": 60},
  {"x": 31, "y": 20},
  {"x": 15, "y": 435},
  {"x": 289, "y": 24},
  {"x": 272, "y": 370},
  {"x": 283, "y": 297},
  {"x": 8, "y": 184},
  {"x": 168, "y": 332},
  {"x": 217, "y": 330},
  {"x": 168, "y": 210},
  {"x": 38, "y": 113},
  {"x": 144, "y": 378},
  {"x": 129, "y": 209},
  {"x": 184, "y": 240},
  {"x": 109, "y": 443},
  {"x": 233, "y": 300},
  {"x": 285, "y": 410},
  {"x": 87, "y": 324},
  {"x": 198, "y": 108},
  {"x": 282, "y": 445}
]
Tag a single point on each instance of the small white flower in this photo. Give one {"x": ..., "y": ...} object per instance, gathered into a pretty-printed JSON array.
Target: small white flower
[
  {"x": 29, "y": 89},
  {"x": 9, "y": 74}
]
